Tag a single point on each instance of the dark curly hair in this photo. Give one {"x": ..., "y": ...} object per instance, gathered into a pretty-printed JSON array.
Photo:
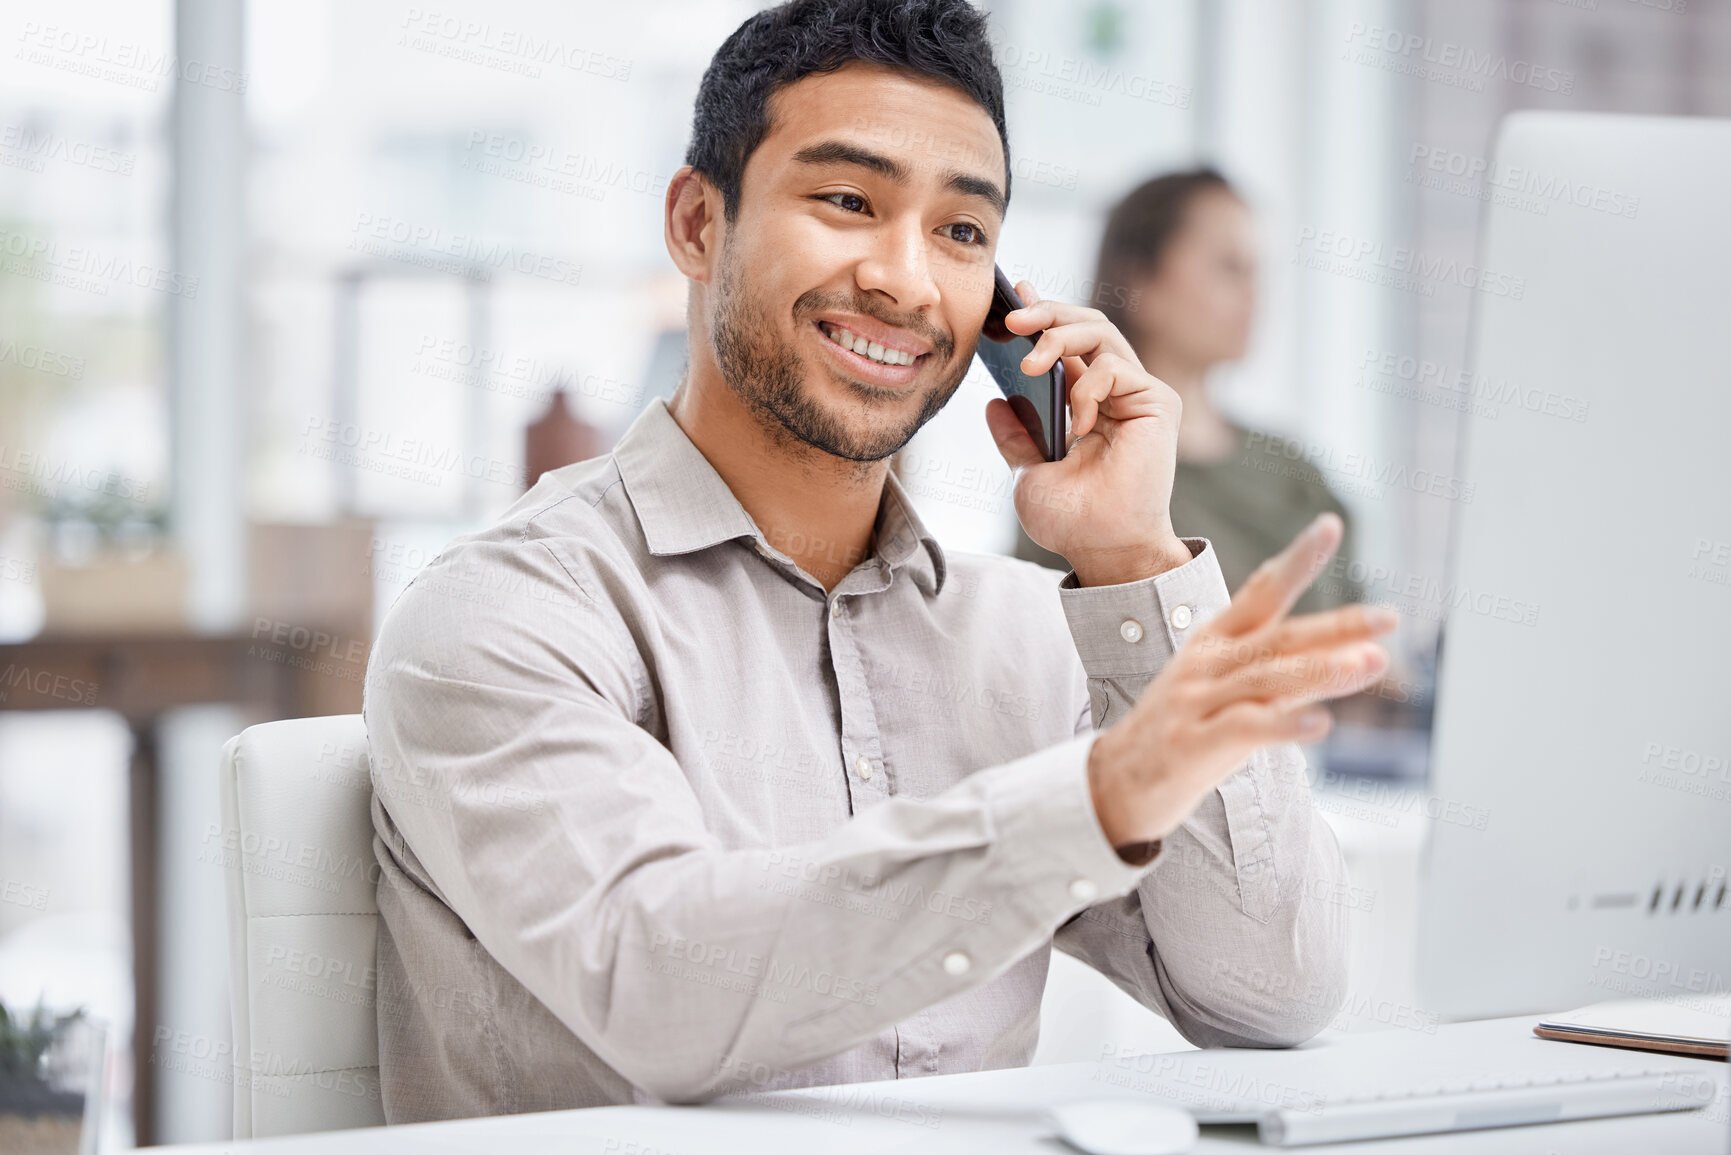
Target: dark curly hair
[{"x": 942, "y": 39}]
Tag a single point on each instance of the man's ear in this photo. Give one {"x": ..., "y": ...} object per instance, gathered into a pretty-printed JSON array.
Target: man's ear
[{"x": 693, "y": 215}]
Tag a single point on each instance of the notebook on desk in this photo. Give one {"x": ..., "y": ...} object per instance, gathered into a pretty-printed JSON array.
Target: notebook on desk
[{"x": 1698, "y": 1025}]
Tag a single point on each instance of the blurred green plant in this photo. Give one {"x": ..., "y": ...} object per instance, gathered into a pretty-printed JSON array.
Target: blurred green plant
[
  {"x": 114, "y": 517},
  {"x": 23, "y": 1041}
]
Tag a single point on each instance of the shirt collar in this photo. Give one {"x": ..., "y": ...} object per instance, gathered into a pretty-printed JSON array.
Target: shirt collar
[{"x": 684, "y": 505}]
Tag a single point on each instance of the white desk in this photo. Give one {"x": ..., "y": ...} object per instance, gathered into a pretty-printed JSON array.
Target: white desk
[{"x": 1002, "y": 1111}]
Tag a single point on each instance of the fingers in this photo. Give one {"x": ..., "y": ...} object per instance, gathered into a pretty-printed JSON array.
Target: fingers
[
  {"x": 1075, "y": 339},
  {"x": 1011, "y": 435},
  {"x": 1037, "y": 313},
  {"x": 1217, "y": 655},
  {"x": 1304, "y": 677},
  {"x": 1331, "y": 628},
  {"x": 1255, "y": 724},
  {"x": 1113, "y": 385},
  {"x": 1279, "y": 581}
]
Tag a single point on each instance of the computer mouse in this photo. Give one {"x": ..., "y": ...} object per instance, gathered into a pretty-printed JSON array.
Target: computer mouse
[{"x": 1125, "y": 1127}]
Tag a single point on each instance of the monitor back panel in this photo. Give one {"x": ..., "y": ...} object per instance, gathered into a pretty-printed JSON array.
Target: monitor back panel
[{"x": 1583, "y": 728}]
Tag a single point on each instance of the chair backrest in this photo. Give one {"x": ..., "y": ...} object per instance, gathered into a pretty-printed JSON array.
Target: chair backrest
[{"x": 302, "y": 927}]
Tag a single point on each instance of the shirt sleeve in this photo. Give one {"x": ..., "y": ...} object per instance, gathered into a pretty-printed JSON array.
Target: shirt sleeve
[
  {"x": 1230, "y": 934},
  {"x": 507, "y": 753}
]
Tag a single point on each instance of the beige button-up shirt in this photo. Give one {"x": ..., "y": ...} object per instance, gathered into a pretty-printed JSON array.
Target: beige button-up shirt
[{"x": 658, "y": 818}]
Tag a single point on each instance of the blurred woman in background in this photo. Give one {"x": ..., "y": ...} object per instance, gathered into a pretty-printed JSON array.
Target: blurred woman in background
[{"x": 1182, "y": 248}]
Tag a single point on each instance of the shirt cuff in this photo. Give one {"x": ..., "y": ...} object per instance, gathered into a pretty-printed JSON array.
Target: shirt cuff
[
  {"x": 1133, "y": 629},
  {"x": 1043, "y": 815}
]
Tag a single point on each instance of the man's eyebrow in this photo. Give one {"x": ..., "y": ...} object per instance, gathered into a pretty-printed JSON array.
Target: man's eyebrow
[{"x": 831, "y": 152}]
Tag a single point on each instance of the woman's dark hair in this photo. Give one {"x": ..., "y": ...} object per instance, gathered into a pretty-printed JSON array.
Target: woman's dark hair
[
  {"x": 943, "y": 39},
  {"x": 1138, "y": 232}
]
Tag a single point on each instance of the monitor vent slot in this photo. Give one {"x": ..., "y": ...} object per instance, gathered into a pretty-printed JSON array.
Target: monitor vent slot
[{"x": 1708, "y": 893}]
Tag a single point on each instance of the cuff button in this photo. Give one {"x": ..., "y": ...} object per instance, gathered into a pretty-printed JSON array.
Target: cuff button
[
  {"x": 1181, "y": 617},
  {"x": 957, "y": 963},
  {"x": 1130, "y": 630},
  {"x": 1084, "y": 890}
]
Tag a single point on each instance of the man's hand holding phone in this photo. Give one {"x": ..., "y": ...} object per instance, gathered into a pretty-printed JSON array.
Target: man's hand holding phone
[
  {"x": 1105, "y": 505},
  {"x": 1248, "y": 678}
]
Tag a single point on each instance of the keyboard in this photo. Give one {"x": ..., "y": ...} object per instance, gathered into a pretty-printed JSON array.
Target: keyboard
[{"x": 1469, "y": 1106}]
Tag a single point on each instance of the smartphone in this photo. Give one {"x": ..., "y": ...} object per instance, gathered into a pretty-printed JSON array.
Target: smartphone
[{"x": 1041, "y": 403}]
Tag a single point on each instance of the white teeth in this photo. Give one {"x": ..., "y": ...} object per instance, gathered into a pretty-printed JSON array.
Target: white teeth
[{"x": 854, "y": 343}]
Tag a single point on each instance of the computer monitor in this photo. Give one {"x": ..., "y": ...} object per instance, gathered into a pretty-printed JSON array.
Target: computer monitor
[{"x": 1582, "y": 748}]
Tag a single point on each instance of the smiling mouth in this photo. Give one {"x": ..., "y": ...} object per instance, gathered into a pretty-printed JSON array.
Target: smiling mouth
[{"x": 870, "y": 350}]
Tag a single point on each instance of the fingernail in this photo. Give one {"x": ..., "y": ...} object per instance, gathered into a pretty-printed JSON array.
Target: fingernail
[
  {"x": 1375, "y": 658},
  {"x": 1313, "y": 720},
  {"x": 1380, "y": 618}
]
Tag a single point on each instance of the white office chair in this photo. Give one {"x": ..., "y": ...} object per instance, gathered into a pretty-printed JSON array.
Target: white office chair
[{"x": 302, "y": 927}]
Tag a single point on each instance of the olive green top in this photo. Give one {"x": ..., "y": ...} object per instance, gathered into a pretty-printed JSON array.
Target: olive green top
[{"x": 1249, "y": 504}]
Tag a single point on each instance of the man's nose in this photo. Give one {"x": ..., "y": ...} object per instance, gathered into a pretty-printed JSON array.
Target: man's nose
[{"x": 900, "y": 267}]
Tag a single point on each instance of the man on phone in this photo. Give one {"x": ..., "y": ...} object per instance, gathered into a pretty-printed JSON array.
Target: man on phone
[{"x": 708, "y": 768}]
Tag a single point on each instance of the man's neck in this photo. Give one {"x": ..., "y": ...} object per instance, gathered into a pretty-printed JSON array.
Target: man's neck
[{"x": 817, "y": 509}]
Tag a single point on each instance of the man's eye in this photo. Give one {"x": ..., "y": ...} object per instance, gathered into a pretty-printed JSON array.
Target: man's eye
[
  {"x": 837, "y": 199},
  {"x": 972, "y": 235}
]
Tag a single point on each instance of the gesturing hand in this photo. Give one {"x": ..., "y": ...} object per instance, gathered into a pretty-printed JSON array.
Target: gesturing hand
[{"x": 1246, "y": 679}]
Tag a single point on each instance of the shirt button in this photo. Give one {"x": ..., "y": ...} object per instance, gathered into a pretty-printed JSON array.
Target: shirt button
[
  {"x": 1130, "y": 630},
  {"x": 863, "y": 767},
  {"x": 1181, "y": 617},
  {"x": 835, "y": 608},
  {"x": 957, "y": 963},
  {"x": 1084, "y": 890}
]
